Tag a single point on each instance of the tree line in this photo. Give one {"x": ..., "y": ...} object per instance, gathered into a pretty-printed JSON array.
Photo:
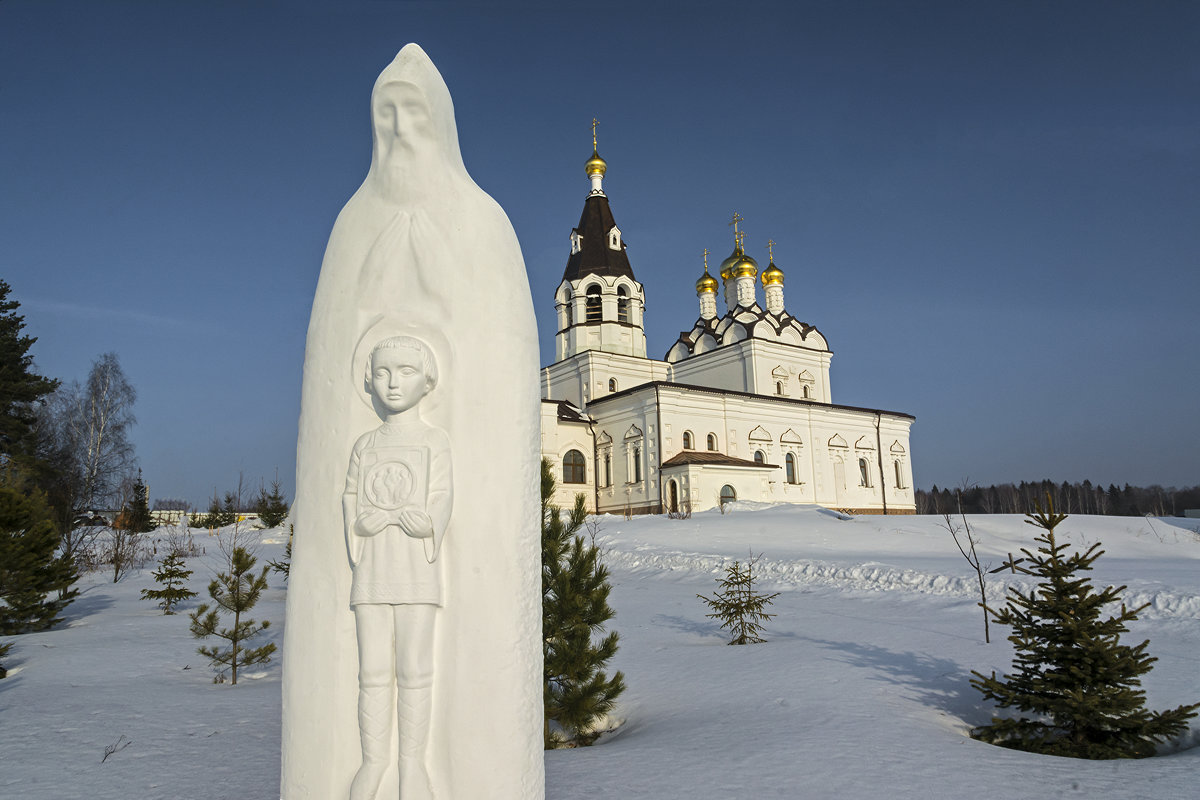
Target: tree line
[{"x": 1071, "y": 498}]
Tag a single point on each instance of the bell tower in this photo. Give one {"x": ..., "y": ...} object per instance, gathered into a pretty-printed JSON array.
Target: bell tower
[{"x": 599, "y": 301}]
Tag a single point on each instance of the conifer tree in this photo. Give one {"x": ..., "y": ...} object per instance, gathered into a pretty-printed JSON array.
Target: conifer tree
[
  {"x": 272, "y": 508},
  {"x": 30, "y": 569},
  {"x": 235, "y": 592},
  {"x": 172, "y": 573},
  {"x": 1072, "y": 677},
  {"x": 136, "y": 516},
  {"x": 739, "y": 606},
  {"x": 20, "y": 387},
  {"x": 577, "y": 693}
]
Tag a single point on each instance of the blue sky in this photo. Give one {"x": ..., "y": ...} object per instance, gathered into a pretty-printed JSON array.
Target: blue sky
[{"x": 991, "y": 210}]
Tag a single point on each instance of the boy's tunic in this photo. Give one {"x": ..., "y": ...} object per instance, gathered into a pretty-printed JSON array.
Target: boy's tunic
[{"x": 399, "y": 466}]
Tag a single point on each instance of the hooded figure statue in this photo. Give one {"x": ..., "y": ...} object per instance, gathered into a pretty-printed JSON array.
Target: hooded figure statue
[{"x": 415, "y": 577}]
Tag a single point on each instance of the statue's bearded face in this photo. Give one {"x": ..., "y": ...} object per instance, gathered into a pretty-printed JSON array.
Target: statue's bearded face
[{"x": 403, "y": 125}]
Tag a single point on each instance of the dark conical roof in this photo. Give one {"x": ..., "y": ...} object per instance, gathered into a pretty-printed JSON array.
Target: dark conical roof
[{"x": 595, "y": 257}]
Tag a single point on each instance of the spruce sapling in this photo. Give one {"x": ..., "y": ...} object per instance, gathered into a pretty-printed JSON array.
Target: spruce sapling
[
  {"x": 172, "y": 573},
  {"x": 236, "y": 592},
  {"x": 272, "y": 508},
  {"x": 1071, "y": 673},
  {"x": 577, "y": 694},
  {"x": 738, "y": 605}
]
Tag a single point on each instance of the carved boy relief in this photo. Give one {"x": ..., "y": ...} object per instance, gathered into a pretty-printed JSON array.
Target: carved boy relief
[{"x": 397, "y": 505}]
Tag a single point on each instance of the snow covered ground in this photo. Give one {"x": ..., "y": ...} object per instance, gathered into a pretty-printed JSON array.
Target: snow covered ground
[{"x": 861, "y": 691}]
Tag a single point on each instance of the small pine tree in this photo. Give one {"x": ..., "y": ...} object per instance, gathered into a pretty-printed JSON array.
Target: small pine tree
[
  {"x": 135, "y": 517},
  {"x": 1070, "y": 670},
  {"x": 738, "y": 605},
  {"x": 577, "y": 693},
  {"x": 236, "y": 592},
  {"x": 30, "y": 570},
  {"x": 172, "y": 573},
  {"x": 272, "y": 508}
]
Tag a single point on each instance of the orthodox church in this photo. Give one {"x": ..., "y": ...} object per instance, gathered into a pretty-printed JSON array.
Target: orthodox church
[{"x": 740, "y": 408}]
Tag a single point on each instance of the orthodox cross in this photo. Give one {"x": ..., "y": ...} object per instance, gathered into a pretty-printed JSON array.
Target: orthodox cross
[
  {"x": 594, "y": 135},
  {"x": 706, "y": 261},
  {"x": 771, "y": 250},
  {"x": 737, "y": 235}
]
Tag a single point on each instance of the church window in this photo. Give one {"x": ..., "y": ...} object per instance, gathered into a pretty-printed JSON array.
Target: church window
[
  {"x": 607, "y": 468},
  {"x": 637, "y": 465},
  {"x": 728, "y": 494},
  {"x": 622, "y": 304},
  {"x": 576, "y": 242},
  {"x": 804, "y": 392},
  {"x": 593, "y": 303},
  {"x": 673, "y": 497},
  {"x": 759, "y": 458},
  {"x": 864, "y": 473},
  {"x": 614, "y": 238},
  {"x": 779, "y": 387},
  {"x": 612, "y": 384},
  {"x": 574, "y": 470},
  {"x": 790, "y": 464},
  {"x": 687, "y": 440},
  {"x": 899, "y": 475},
  {"x": 712, "y": 441},
  {"x": 570, "y": 309}
]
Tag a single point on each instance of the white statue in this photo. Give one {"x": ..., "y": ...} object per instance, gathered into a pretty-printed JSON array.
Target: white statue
[
  {"x": 397, "y": 503},
  {"x": 392, "y": 584}
]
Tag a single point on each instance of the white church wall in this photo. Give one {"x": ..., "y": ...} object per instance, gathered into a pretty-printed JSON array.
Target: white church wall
[
  {"x": 632, "y": 425},
  {"x": 559, "y": 437}
]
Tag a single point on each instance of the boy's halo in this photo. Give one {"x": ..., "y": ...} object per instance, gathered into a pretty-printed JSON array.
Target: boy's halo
[{"x": 385, "y": 327}]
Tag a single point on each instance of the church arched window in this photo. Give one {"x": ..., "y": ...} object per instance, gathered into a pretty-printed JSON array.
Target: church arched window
[
  {"x": 637, "y": 465},
  {"x": 778, "y": 387},
  {"x": 607, "y": 468},
  {"x": 574, "y": 469},
  {"x": 864, "y": 473},
  {"x": 804, "y": 391},
  {"x": 899, "y": 475},
  {"x": 570, "y": 309},
  {"x": 594, "y": 313},
  {"x": 790, "y": 464},
  {"x": 612, "y": 384},
  {"x": 622, "y": 304},
  {"x": 728, "y": 494},
  {"x": 673, "y": 497},
  {"x": 759, "y": 458},
  {"x": 712, "y": 441},
  {"x": 688, "y": 444}
]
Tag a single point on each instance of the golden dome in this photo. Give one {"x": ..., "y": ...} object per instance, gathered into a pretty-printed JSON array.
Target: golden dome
[
  {"x": 596, "y": 165},
  {"x": 739, "y": 265},
  {"x": 772, "y": 276},
  {"x": 706, "y": 284}
]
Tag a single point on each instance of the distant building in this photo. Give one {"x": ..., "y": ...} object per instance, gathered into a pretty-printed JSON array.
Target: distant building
[{"x": 740, "y": 408}]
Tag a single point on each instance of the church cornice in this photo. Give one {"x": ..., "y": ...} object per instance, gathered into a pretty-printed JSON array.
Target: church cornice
[{"x": 766, "y": 398}]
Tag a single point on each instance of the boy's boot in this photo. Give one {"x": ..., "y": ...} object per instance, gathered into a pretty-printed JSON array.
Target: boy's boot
[
  {"x": 414, "y": 706},
  {"x": 375, "y": 732}
]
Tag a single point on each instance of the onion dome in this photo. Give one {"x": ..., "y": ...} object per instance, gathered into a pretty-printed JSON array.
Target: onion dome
[
  {"x": 739, "y": 265},
  {"x": 596, "y": 165},
  {"x": 772, "y": 276},
  {"x": 706, "y": 284}
]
